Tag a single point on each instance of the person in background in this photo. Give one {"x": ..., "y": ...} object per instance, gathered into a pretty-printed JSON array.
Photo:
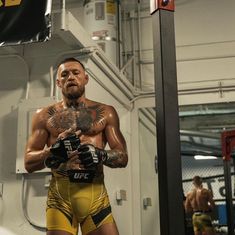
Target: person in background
[
  {"x": 70, "y": 138},
  {"x": 199, "y": 201}
]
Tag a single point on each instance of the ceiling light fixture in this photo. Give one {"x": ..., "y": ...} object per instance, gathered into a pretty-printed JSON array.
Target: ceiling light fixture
[{"x": 202, "y": 157}]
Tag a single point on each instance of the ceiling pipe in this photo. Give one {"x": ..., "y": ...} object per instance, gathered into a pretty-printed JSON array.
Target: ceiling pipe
[
  {"x": 200, "y": 134},
  {"x": 206, "y": 112}
]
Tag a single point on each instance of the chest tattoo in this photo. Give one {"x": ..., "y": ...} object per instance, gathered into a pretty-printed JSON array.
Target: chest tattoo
[{"x": 78, "y": 118}]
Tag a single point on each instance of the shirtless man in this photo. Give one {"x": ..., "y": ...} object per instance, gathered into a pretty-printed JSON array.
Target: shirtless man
[
  {"x": 71, "y": 201},
  {"x": 200, "y": 202}
]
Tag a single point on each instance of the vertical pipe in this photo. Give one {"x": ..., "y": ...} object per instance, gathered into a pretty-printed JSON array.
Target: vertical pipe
[
  {"x": 133, "y": 43},
  {"x": 52, "y": 83},
  {"x": 118, "y": 35},
  {"x": 124, "y": 34},
  {"x": 63, "y": 13},
  {"x": 139, "y": 45}
]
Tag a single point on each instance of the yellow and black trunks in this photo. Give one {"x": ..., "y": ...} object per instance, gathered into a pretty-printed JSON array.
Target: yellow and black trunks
[
  {"x": 70, "y": 204},
  {"x": 202, "y": 222}
]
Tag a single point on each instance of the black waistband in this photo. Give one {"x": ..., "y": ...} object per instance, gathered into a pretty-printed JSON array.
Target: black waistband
[{"x": 200, "y": 211}]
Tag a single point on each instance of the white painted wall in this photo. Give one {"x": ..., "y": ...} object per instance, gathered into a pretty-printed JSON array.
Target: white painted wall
[
  {"x": 148, "y": 180},
  {"x": 205, "y": 48}
]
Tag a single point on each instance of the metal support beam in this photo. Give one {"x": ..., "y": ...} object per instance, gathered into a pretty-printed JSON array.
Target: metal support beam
[
  {"x": 168, "y": 138},
  {"x": 229, "y": 199},
  {"x": 228, "y": 144}
]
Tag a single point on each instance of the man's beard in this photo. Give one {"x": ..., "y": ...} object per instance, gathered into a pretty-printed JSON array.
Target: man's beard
[{"x": 74, "y": 95}]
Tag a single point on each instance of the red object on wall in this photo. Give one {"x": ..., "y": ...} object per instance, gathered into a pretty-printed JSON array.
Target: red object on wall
[
  {"x": 162, "y": 4},
  {"x": 166, "y": 4},
  {"x": 227, "y": 144}
]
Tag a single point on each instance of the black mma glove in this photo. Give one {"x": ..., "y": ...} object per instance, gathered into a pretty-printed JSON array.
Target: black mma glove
[
  {"x": 90, "y": 156},
  {"x": 60, "y": 150}
]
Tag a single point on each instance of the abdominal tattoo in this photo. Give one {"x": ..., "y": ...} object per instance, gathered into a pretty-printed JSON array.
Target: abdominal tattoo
[{"x": 78, "y": 118}]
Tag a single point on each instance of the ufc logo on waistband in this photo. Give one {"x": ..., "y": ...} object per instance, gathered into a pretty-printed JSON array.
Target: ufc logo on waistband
[
  {"x": 81, "y": 176},
  {"x": 10, "y": 3}
]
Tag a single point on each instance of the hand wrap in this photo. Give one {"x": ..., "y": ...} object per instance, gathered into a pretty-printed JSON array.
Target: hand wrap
[
  {"x": 60, "y": 150},
  {"x": 90, "y": 156}
]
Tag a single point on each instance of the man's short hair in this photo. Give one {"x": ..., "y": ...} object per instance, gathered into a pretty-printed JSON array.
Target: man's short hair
[
  {"x": 71, "y": 59},
  {"x": 197, "y": 180}
]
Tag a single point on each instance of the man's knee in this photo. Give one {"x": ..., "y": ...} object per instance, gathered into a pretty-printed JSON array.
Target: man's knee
[
  {"x": 58, "y": 232},
  {"x": 106, "y": 229}
]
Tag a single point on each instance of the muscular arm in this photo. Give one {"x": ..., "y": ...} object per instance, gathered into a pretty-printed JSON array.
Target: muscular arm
[
  {"x": 187, "y": 204},
  {"x": 211, "y": 200},
  {"x": 117, "y": 156},
  {"x": 36, "y": 153}
]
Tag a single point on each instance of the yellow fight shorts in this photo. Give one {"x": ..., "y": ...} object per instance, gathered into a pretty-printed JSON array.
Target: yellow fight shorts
[
  {"x": 202, "y": 222},
  {"x": 70, "y": 204}
]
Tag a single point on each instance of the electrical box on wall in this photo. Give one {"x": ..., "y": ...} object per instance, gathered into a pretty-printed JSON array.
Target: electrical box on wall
[{"x": 26, "y": 110}]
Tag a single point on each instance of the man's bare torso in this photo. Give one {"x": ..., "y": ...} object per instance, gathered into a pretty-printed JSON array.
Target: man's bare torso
[
  {"x": 89, "y": 118},
  {"x": 199, "y": 198}
]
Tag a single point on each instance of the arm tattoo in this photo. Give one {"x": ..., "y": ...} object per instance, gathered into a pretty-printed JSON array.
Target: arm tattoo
[{"x": 116, "y": 159}]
